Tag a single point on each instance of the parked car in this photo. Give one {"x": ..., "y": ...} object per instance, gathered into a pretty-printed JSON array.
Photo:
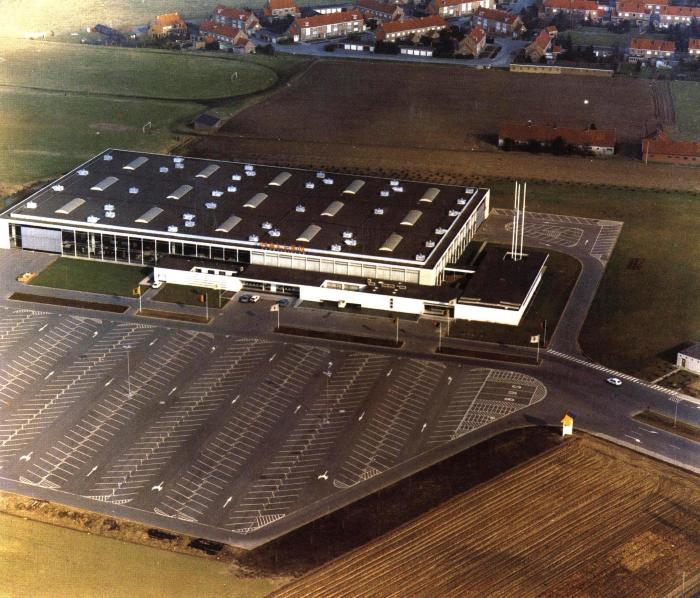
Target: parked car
[
  {"x": 157, "y": 284},
  {"x": 614, "y": 381},
  {"x": 283, "y": 302},
  {"x": 254, "y": 299},
  {"x": 244, "y": 298}
]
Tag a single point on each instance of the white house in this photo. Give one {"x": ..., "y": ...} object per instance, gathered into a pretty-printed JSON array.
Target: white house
[{"x": 689, "y": 359}]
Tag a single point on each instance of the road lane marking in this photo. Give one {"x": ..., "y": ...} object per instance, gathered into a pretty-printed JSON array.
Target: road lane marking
[
  {"x": 172, "y": 391},
  {"x": 26, "y": 457},
  {"x": 158, "y": 487},
  {"x": 324, "y": 476},
  {"x": 633, "y": 438}
]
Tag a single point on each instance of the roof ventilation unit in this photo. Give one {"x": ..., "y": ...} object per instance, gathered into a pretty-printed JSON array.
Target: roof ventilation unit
[
  {"x": 178, "y": 160},
  {"x": 354, "y": 187},
  {"x": 440, "y": 231},
  {"x": 217, "y": 193},
  {"x": 172, "y": 229},
  {"x": 83, "y": 172},
  {"x": 187, "y": 217},
  {"x": 235, "y": 177},
  {"x": 328, "y": 181},
  {"x": 250, "y": 173},
  {"x": 300, "y": 208},
  {"x": 470, "y": 190},
  {"x": 110, "y": 214},
  {"x": 107, "y": 157},
  {"x": 320, "y": 175},
  {"x": 31, "y": 205},
  {"x": 347, "y": 234},
  {"x": 379, "y": 211},
  {"x": 351, "y": 242},
  {"x": 248, "y": 167},
  {"x": 394, "y": 183},
  {"x": 163, "y": 169},
  {"x": 336, "y": 247},
  {"x": 310, "y": 185},
  {"x": 253, "y": 238},
  {"x": 453, "y": 213},
  {"x": 430, "y": 244},
  {"x": 420, "y": 257},
  {"x": 267, "y": 225},
  {"x": 109, "y": 207},
  {"x": 210, "y": 205},
  {"x": 384, "y": 193},
  {"x": 274, "y": 232},
  {"x": 398, "y": 189},
  {"x": 58, "y": 187},
  {"x": 232, "y": 188},
  {"x": 180, "y": 166},
  {"x": 104, "y": 183},
  {"x": 93, "y": 219},
  {"x": 133, "y": 190},
  {"x": 189, "y": 223},
  {"x": 462, "y": 201}
]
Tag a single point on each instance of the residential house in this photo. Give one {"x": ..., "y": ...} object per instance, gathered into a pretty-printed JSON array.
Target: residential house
[
  {"x": 594, "y": 141},
  {"x": 450, "y": 9},
  {"x": 382, "y": 12},
  {"x": 655, "y": 5},
  {"x": 580, "y": 10},
  {"x": 326, "y": 26},
  {"x": 635, "y": 11},
  {"x": 643, "y": 48},
  {"x": 390, "y": 32},
  {"x": 540, "y": 46},
  {"x": 279, "y": 9},
  {"x": 233, "y": 37},
  {"x": 694, "y": 48},
  {"x": 168, "y": 25},
  {"x": 677, "y": 15},
  {"x": 243, "y": 18},
  {"x": 660, "y": 148},
  {"x": 473, "y": 43},
  {"x": 689, "y": 358},
  {"x": 498, "y": 22}
]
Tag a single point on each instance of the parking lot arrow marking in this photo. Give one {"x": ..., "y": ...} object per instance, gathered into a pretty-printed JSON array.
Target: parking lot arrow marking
[
  {"x": 234, "y": 400},
  {"x": 323, "y": 476},
  {"x": 109, "y": 381},
  {"x": 173, "y": 390},
  {"x": 359, "y": 419},
  {"x": 51, "y": 373},
  {"x": 158, "y": 488},
  {"x": 425, "y": 425},
  {"x": 44, "y": 326},
  {"x": 389, "y": 372},
  {"x": 93, "y": 470},
  {"x": 153, "y": 342},
  {"x": 26, "y": 457},
  {"x": 297, "y": 409},
  {"x": 213, "y": 349},
  {"x": 449, "y": 380},
  {"x": 228, "y": 500},
  {"x": 273, "y": 357}
]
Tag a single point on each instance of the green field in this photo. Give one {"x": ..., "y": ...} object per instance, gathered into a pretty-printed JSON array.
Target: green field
[
  {"x": 185, "y": 295},
  {"x": 637, "y": 314},
  {"x": 686, "y": 101},
  {"x": 128, "y": 72},
  {"x": 596, "y": 36},
  {"x": 91, "y": 276},
  {"x": 41, "y": 560}
]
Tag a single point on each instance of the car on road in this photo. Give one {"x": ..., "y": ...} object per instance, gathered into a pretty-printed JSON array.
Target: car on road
[
  {"x": 614, "y": 381},
  {"x": 283, "y": 302},
  {"x": 254, "y": 299},
  {"x": 157, "y": 284},
  {"x": 244, "y": 298}
]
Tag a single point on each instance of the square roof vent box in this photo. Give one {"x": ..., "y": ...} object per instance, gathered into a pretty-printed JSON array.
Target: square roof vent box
[
  {"x": 189, "y": 223},
  {"x": 398, "y": 189},
  {"x": 107, "y": 157},
  {"x": 178, "y": 159},
  {"x": 266, "y": 225},
  {"x": 470, "y": 190},
  {"x": 430, "y": 243},
  {"x": 133, "y": 190},
  {"x": 320, "y": 174},
  {"x": 440, "y": 230},
  {"x": 58, "y": 187},
  {"x": 108, "y": 207},
  {"x": 31, "y": 205},
  {"x": 248, "y": 167},
  {"x": 328, "y": 181},
  {"x": 253, "y": 238},
  {"x": 347, "y": 234},
  {"x": 188, "y": 217},
  {"x": 180, "y": 166},
  {"x": 420, "y": 257},
  {"x": 453, "y": 213},
  {"x": 232, "y": 188},
  {"x": 172, "y": 229},
  {"x": 462, "y": 201},
  {"x": 300, "y": 208},
  {"x": 310, "y": 185},
  {"x": 250, "y": 173},
  {"x": 163, "y": 169},
  {"x": 83, "y": 172},
  {"x": 217, "y": 193},
  {"x": 235, "y": 177},
  {"x": 351, "y": 242},
  {"x": 336, "y": 247},
  {"x": 210, "y": 205},
  {"x": 274, "y": 232},
  {"x": 379, "y": 211},
  {"x": 384, "y": 193},
  {"x": 93, "y": 219},
  {"x": 110, "y": 214},
  {"x": 394, "y": 183}
]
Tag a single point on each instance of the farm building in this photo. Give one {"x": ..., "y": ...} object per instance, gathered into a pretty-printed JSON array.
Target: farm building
[
  {"x": 661, "y": 148},
  {"x": 643, "y": 48},
  {"x": 678, "y": 15},
  {"x": 326, "y": 26},
  {"x": 689, "y": 359},
  {"x": 168, "y": 25},
  {"x": 242, "y": 18},
  {"x": 595, "y": 141},
  {"x": 587, "y": 10},
  {"x": 419, "y": 27},
  {"x": 450, "y": 9},
  {"x": 498, "y": 22},
  {"x": 370, "y": 242},
  {"x": 384, "y": 12},
  {"x": 473, "y": 43}
]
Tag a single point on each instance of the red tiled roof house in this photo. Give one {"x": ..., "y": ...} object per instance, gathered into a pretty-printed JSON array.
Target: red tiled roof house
[
  {"x": 591, "y": 141},
  {"x": 168, "y": 25},
  {"x": 644, "y": 48},
  {"x": 694, "y": 48},
  {"x": 498, "y": 22},
  {"x": 383, "y": 12},
  {"x": 662, "y": 149},
  {"x": 677, "y": 15},
  {"x": 587, "y": 10},
  {"x": 279, "y": 9},
  {"x": 450, "y": 9},
  {"x": 335, "y": 24},
  {"x": 227, "y": 34},
  {"x": 473, "y": 43},
  {"x": 243, "y": 18},
  {"x": 398, "y": 30}
]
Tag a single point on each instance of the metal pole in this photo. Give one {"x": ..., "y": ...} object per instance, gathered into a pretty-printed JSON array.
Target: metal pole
[
  {"x": 206, "y": 305},
  {"x": 397, "y": 331},
  {"x": 544, "y": 342},
  {"x": 675, "y": 414},
  {"x": 538, "y": 351},
  {"x": 128, "y": 370},
  {"x": 140, "y": 298},
  {"x": 440, "y": 336},
  {"x": 278, "y": 317}
]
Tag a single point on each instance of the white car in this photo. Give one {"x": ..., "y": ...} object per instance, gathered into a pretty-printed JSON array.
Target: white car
[
  {"x": 254, "y": 299},
  {"x": 157, "y": 284},
  {"x": 614, "y": 381}
]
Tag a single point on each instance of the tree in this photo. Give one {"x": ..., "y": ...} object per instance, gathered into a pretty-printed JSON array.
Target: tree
[{"x": 559, "y": 147}]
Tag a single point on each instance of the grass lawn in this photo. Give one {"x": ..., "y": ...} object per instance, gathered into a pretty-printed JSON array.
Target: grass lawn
[
  {"x": 596, "y": 36},
  {"x": 186, "y": 295},
  {"x": 555, "y": 288},
  {"x": 686, "y": 99},
  {"x": 637, "y": 314},
  {"x": 91, "y": 276},
  {"x": 130, "y": 72}
]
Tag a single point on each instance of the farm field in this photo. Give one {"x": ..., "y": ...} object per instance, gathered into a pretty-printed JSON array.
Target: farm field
[
  {"x": 686, "y": 98},
  {"x": 587, "y": 518},
  {"x": 596, "y": 36}
]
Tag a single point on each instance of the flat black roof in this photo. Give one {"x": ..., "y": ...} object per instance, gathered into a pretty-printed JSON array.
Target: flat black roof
[
  {"x": 500, "y": 280},
  {"x": 212, "y": 202}
]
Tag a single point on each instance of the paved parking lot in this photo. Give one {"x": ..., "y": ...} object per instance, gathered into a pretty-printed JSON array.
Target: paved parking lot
[{"x": 219, "y": 432}]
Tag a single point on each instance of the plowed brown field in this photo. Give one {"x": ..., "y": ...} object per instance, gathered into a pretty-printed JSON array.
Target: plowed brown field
[{"x": 586, "y": 519}]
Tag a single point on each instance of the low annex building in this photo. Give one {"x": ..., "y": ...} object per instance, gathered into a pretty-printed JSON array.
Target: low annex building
[
  {"x": 694, "y": 47},
  {"x": 370, "y": 242},
  {"x": 689, "y": 358},
  {"x": 326, "y": 26},
  {"x": 498, "y": 22},
  {"x": 595, "y": 141},
  {"x": 541, "y": 45},
  {"x": 661, "y": 148},
  {"x": 399, "y": 29}
]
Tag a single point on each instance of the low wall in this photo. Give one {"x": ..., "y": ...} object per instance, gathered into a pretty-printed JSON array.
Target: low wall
[{"x": 546, "y": 69}]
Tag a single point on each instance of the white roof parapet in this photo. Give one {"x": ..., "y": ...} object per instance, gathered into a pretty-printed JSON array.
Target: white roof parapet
[
  {"x": 309, "y": 233},
  {"x": 104, "y": 183},
  {"x": 207, "y": 172},
  {"x": 135, "y": 163},
  {"x": 354, "y": 187},
  {"x": 70, "y": 206},
  {"x": 149, "y": 215},
  {"x": 229, "y": 224},
  {"x": 280, "y": 179},
  {"x": 430, "y": 194},
  {"x": 333, "y": 208},
  {"x": 255, "y": 201},
  {"x": 180, "y": 192},
  {"x": 411, "y": 218},
  {"x": 391, "y": 243}
]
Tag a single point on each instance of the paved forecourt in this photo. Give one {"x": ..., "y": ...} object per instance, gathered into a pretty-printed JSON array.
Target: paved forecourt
[{"x": 221, "y": 436}]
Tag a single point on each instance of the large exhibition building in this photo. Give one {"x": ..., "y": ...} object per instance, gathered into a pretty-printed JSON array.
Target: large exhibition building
[{"x": 359, "y": 241}]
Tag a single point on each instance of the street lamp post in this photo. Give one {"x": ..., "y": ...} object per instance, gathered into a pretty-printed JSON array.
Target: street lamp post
[{"x": 128, "y": 370}]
